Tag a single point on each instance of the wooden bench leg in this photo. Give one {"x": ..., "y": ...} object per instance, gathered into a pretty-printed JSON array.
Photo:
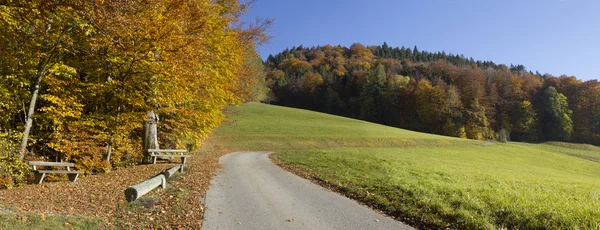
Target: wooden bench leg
[
  {"x": 182, "y": 163},
  {"x": 154, "y": 161},
  {"x": 39, "y": 177},
  {"x": 73, "y": 177}
]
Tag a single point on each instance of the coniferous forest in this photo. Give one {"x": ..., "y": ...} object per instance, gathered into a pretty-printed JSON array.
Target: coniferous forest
[{"x": 436, "y": 92}]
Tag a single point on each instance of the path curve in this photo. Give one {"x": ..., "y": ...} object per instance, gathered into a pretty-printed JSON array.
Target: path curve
[{"x": 253, "y": 193}]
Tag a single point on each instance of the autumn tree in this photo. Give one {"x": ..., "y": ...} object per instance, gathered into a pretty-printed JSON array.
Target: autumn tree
[
  {"x": 431, "y": 105},
  {"x": 252, "y": 76},
  {"x": 360, "y": 56},
  {"x": 586, "y": 116},
  {"x": 454, "y": 124},
  {"x": 476, "y": 122},
  {"x": 37, "y": 33},
  {"x": 99, "y": 67},
  {"x": 525, "y": 122},
  {"x": 558, "y": 125}
]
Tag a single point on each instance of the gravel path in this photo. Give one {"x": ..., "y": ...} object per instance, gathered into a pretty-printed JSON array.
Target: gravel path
[{"x": 253, "y": 193}]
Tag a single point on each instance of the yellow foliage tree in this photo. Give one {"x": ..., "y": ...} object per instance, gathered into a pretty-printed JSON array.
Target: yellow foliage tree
[{"x": 105, "y": 64}]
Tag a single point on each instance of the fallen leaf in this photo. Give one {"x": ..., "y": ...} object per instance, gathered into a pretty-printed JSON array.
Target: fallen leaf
[{"x": 101, "y": 196}]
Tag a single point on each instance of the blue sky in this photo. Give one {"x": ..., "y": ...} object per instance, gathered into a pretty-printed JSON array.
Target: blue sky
[{"x": 552, "y": 36}]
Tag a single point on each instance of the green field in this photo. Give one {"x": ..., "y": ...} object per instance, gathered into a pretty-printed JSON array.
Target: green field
[
  {"x": 35, "y": 222},
  {"x": 428, "y": 180}
]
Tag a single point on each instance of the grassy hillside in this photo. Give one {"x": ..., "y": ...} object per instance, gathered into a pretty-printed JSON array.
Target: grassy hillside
[{"x": 430, "y": 180}]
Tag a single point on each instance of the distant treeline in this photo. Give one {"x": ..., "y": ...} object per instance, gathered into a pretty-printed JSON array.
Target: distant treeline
[{"x": 436, "y": 93}]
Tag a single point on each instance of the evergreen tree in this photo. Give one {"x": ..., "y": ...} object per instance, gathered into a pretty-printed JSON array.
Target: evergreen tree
[
  {"x": 371, "y": 95},
  {"x": 558, "y": 125},
  {"x": 378, "y": 77}
]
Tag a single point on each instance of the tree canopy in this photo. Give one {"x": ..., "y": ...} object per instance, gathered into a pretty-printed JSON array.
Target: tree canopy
[
  {"x": 437, "y": 92},
  {"x": 90, "y": 70}
]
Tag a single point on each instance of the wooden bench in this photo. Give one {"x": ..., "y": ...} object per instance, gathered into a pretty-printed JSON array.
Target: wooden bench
[
  {"x": 40, "y": 174},
  {"x": 168, "y": 153}
]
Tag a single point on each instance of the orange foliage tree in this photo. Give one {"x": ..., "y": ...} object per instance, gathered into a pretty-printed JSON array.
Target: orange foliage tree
[{"x": 116, "y": 60}]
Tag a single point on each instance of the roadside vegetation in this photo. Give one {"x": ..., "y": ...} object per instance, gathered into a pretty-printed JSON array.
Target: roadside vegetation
[
  {"x": 427, "y": 180},
  {"x": 91, "y": 82},
  {"x": 35, "y": 222},
  {"x": 80, "y": 79}
]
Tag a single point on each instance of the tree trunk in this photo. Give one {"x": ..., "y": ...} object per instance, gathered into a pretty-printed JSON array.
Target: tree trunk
[
  {"x": 150, "y": 128},
  {"x": 29, "y": 118},
  {"x": 41, "y": 68},
  {"x": 112, "y": 134},
  {"x": 109, "y": 149},
  {"x": 150, "y": 133}
]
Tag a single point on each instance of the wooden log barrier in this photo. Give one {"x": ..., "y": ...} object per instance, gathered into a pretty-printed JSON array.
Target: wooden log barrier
[
  {"x": 169, "y": 172},
  {"x": 134, "y": 192}
]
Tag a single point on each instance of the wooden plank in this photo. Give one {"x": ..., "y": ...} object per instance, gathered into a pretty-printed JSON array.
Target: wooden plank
[
  {"x": 172, "y": 156},
  {"x": 44, "y": 163},
  {"x": 58, "y": 171},
  {"x": 167, "y": 150}
]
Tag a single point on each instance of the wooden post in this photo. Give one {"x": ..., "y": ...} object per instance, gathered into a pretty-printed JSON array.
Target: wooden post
[
  {"x": 183, "y": 162},
  {"x": 73, "y": 176},
  {"x": 39, "y": 177}
]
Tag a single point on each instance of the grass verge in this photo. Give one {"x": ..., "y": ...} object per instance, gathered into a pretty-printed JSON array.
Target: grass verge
[{"x": 35, "y": 222}]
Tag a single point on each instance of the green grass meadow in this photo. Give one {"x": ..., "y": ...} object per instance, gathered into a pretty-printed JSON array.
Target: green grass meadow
[
  {"x": 35, "y": 222},
  {"x": 429, "y": 180}
]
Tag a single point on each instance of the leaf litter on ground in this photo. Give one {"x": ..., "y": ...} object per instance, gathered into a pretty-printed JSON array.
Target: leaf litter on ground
[{"x": 102, "y": 195}]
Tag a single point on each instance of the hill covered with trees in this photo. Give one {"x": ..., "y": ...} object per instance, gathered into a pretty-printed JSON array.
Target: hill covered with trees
[{"x": 436, "y": 92}]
